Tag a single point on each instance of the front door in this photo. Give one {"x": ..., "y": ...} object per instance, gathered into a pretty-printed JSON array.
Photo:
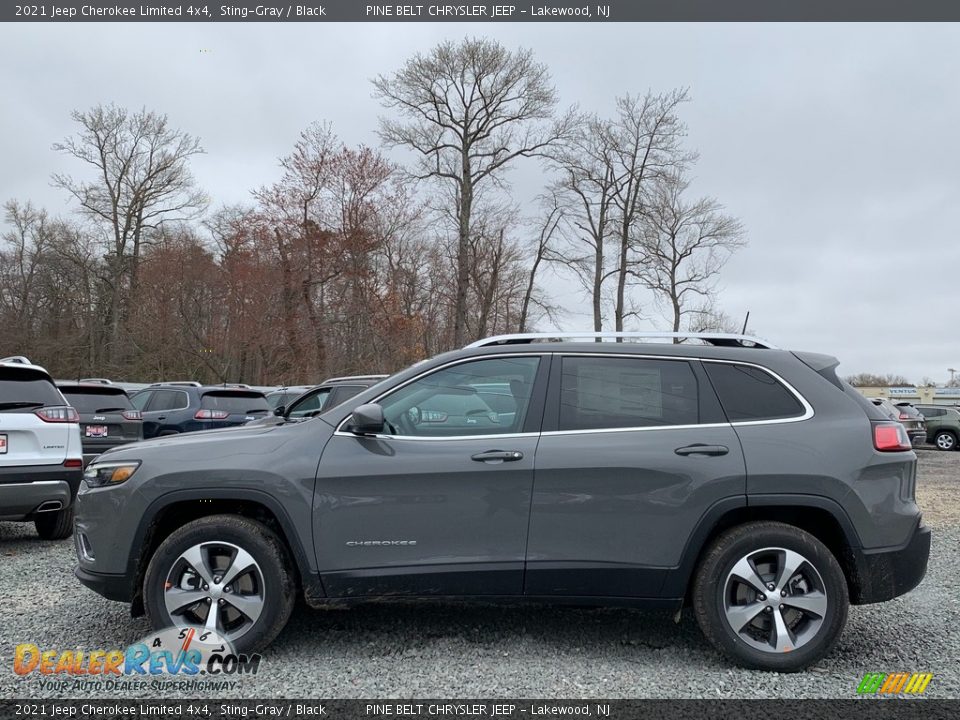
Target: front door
[
  {"x": 438, "y": 504},
  {"x": 634, "y": 450}
]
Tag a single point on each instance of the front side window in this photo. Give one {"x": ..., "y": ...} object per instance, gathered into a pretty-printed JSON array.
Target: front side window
[
  {"x": 480, "y": 397},
  {"x": 312, "y": 403},
  {"x": 748, "y": 393},
  {"x": 623, "y": 392}
]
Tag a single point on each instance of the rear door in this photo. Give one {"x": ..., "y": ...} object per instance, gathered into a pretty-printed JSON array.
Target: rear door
[
  {"x": 26, "y": 438},
  {"x": 633, "y": 452},
  {"x": 163, "y": 410}
]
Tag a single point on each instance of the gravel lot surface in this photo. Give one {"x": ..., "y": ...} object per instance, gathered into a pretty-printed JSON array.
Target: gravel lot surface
[{"x": 402, "y": 651}]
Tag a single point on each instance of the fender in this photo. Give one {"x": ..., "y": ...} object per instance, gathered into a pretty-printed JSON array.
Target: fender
[
  {"x": 301, "y": 558},
  {"x": 678, "y": 579}
]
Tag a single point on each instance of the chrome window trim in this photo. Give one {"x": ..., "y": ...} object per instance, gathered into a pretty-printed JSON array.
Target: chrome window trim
[
  {"x": 807, "y": 407},
  {"x": 340, "y": 432}
]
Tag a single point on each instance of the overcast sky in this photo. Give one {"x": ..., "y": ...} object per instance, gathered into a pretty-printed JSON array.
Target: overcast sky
[{"x": 837, "y": 145}]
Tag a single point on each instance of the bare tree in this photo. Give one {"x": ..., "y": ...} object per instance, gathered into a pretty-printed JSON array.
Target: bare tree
[
  {"x": 468, "y": 109},
  {"x": 684, "y": 245},
  {"x": 140, "y": 178},
  {"x": 552, "y": 216}
]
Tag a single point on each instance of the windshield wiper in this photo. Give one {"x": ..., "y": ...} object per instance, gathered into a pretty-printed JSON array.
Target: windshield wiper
[{"x": 12, "y": 405}]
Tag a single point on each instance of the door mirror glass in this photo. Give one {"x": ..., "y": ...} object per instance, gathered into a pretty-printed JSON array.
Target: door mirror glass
[
  {"x": 279, "y": 410},
  {"x": 367, "y": 419}
]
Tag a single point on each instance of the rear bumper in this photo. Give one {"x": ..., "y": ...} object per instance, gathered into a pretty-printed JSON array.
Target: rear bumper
[
  {"x": 890, "y": 572},
  {"x": 24, "y": 489},
  {"x": 112, "y": 587}
]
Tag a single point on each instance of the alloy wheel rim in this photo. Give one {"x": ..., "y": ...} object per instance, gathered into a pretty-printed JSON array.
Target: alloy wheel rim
[
  {"x": 215, "y": 586},
  {"x": 774, "y": 600},
  {"x": 944, "y": 441}
]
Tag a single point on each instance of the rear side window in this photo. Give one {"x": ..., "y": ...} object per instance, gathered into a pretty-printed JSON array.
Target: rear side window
[
  {"x": 234, "y": 402},
  {"x": 749, "y": 393},
  {"x": 23, "y": 389},
  {"x": 168, "y": 400},
  {"x": 87, "y": 401},
  {"x": 932, "y": 412},
  {"x": 610, "y": 392}
]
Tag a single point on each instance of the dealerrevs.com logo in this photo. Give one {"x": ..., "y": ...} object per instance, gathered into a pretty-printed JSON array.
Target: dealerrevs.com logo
[
  {"x": 178, "y": 653},
  {"x": 900, "y": 683}
]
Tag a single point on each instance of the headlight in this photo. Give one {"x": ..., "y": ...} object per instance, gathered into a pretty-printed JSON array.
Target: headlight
[{"x": 109, "y": 473}]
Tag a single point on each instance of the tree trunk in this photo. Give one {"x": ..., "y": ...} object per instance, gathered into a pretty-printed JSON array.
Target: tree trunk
[{"x": 463, "y": 259}]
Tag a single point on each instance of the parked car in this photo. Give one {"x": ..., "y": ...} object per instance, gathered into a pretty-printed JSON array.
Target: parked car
[
  {"x": 729, "y": 477},
  {"x": 41, "y": 460},
  {"x": 181, "y": 407},
  {"x": 107, "y": 417},
  {"x": 943, "y": 425},
  {"x": 285, "y": 395},
  {"x": 913, "y": 421},
  {"x": 329, "y": 393}
]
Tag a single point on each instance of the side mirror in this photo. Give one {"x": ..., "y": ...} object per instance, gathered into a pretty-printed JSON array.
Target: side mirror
[
  {"x": 280, "y": 410},
  {"x": 367, "y": 419}
]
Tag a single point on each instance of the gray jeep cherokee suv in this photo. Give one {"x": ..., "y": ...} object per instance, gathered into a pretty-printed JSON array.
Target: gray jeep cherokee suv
[{"x": 746, "y": 482}]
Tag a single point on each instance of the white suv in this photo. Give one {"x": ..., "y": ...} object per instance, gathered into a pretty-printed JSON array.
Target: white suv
[{"x": 41, "y": 458}]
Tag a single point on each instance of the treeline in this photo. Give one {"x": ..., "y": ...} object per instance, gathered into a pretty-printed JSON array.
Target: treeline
[{"x": 352, "y": 263}]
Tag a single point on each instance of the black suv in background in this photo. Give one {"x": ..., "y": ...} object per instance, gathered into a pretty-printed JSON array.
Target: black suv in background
[
  {"x": 107, "y": 417},
  {"x": 330, "y": 393},
  {"x": 181, "y": 407}
]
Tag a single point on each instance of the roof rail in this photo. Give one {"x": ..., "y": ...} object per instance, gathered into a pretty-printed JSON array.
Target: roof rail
[
  {"x": 718, "y": 339},
  {"x": 353, "y": 377},
  {"x": 99, "y": 381},
  {"x": 177, "y": 383},
  {"x": 238, "y": 386},
  {"x": 19, "y": 359}
]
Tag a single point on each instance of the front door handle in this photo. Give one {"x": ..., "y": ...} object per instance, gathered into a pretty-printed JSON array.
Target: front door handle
[
  {"x": 162, "y": 417},
  {"x": 498, "y": 456},
  {"x": 700, "y": 449}
]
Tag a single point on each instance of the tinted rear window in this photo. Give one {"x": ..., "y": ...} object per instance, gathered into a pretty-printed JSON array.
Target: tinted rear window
[
  {"x": 748, "y": 393},
  {"x": 26, "y": 386},
  {"x": 91, "y": 401},
  {"x": 234, "y": 401}
]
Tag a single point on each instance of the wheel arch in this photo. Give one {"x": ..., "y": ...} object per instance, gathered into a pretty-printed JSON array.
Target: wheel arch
[
  {"x": 175, "y": 509},
  {"x": 822, "y": 517}
]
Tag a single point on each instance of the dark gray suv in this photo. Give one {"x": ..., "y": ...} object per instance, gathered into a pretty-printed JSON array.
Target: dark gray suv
[{"x": 747, "y": 482}]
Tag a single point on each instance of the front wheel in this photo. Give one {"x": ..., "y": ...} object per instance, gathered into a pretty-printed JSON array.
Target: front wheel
[
  {"x": 770, "y": 596},
  {"x": 945, "y": 441},
  {"x": 224, "y": 573}
]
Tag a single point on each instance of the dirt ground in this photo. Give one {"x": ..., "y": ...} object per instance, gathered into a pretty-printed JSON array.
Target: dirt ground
[{"x": 938, "y": 487}]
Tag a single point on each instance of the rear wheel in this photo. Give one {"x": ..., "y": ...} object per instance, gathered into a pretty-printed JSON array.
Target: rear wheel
[
  {"x": 770, "y": 596},
  {"x": 224, "y": 573},
  {"x": 945, "y": 440},
  {"x": 55, "y": 525}
]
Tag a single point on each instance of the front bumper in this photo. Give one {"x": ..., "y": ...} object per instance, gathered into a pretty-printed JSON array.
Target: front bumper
[
  {"x": 112, "y": 587},
  {"x": 886, "y": 573}
]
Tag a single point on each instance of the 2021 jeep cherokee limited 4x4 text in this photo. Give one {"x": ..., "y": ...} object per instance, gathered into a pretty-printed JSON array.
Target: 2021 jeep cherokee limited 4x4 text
[{"x": 746, "y": 482}]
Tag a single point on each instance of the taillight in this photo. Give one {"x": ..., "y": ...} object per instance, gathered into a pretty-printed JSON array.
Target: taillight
[
  {"x": 64, "y": 414},
  {"x": 890, "y": 437},
  {"x": 904, "y": 416},
  {"x": 132, "y": 415},
  {"x": 73, "y": 463},
  {"x": 211, "y": 415}
]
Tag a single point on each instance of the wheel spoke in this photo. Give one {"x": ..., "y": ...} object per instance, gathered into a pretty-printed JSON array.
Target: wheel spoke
[
  {"x": 781, "y": 640},
  {"x": 812, "y": 602},
  {"x": 176, "y": 600},
  {"x": 744, "y": 571},
  {"x": 739, "y": 615},
  {"x": 196, "y": 557},
  {"x": 790, "y": 562},
  {"x": 250, "y": 605},
  {"x": 242, "y": 561},
  {"x": 213, "y": 615}
]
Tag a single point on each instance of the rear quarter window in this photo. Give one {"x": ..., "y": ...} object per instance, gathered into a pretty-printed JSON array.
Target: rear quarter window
[{"x": 748, "y": 393}]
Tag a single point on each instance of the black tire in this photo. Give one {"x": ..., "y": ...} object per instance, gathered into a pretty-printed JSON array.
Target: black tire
[
  {"x": 945, "y": 440},
  {"x": 269, "y": 552},
  {"x": 710, "y": 586},
  {"x": 54, "y": 525}
]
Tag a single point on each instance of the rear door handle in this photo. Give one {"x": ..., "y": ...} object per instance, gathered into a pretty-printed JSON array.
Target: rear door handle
[
  {"x": 700, "y": 449},
  {"x": 498, "y": 456}
]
